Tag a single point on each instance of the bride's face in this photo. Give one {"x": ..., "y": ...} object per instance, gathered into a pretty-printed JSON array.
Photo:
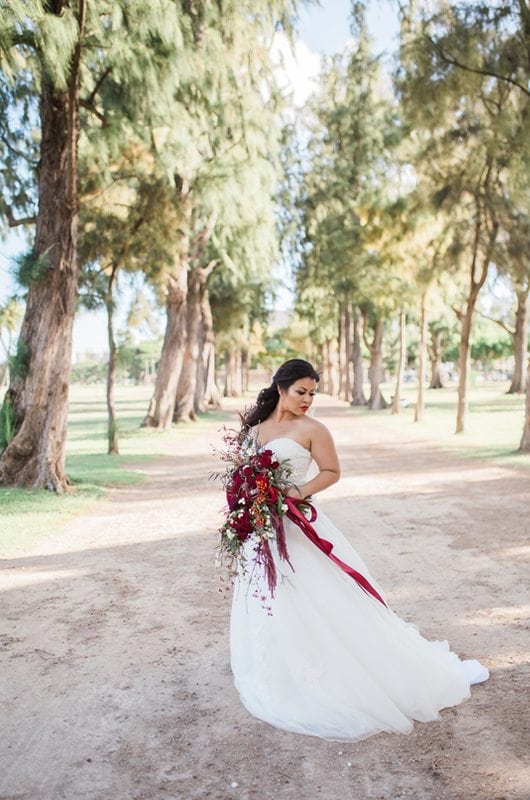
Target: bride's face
[{"x": 298, "y": 398}]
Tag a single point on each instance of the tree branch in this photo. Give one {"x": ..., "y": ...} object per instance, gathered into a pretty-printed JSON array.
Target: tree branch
[
  {"x": 88, "y": 103},
  {"x": 17, "y": 153},
  {"x": 85, "y": 104},
  {"x": 97, "y": 87},
  {"x": 208, "y": 269},
  {"x": 13, "y": 222},
  {"x": 365, "y": 333},
  {"x": 459, "y": 313},
  {"x": 487, "y": 72},
  {"x": 498, "y": 322},
  {"x": 204, "y": 236}
]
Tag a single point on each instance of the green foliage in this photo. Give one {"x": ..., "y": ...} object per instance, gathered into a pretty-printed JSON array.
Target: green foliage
[
  {"x": 30, "y": 267},
  {"x": 134, "y": 364},
  {"x": 137, "y": 363},
  {"x": 462, "y": 79},
  {"x": 19, "y": 363},
  {"x": 87, "y": 372},
  {"x": 489, "y": 343},
  {"x": 7, "y": 424},
  {"x": 278, "y": 349},
  {"x": 350, "y": 214}
]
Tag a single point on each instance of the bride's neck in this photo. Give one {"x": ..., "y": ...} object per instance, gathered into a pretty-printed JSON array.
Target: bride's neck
[{"x": 280, "y": 415}]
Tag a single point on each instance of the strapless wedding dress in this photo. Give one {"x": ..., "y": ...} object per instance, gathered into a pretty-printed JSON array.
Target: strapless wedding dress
[{"x": 330, "y": 660}]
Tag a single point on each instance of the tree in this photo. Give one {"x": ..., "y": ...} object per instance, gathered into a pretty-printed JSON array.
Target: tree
[
  {"x": 524, "y": 445},
  {"x": 458, "y": 94},
  {"x": 491, "y": 43},
  {"x": 512, "y": 264},
  {"x": 344, "y": 195},
  {"x": 38, "y": 392},
  {"x": 126, "y": 226},
  {"x": 58, "y": 60},
  {"x": 224, "y": 118}
]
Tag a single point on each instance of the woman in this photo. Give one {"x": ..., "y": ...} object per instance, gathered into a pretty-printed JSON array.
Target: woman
[{"x": 330, "y": 659}]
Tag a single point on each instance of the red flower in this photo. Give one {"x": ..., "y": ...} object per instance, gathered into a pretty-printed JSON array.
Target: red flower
[
  {"x": 272, "y": 494},
  {"x": 243, "y": 525},
  {"x": 266, "y": 458}
]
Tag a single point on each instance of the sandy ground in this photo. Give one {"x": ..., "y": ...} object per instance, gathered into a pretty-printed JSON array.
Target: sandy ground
[{"x": 115, "y": 664}]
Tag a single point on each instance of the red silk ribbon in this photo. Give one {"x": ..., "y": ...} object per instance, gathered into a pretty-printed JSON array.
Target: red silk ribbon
[{"x": 296, "y": 516}]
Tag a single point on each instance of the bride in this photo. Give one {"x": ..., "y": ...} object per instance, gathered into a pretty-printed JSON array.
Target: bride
[{"x": 329, "y": 659}]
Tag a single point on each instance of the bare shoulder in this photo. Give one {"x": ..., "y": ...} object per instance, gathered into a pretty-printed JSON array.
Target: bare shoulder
[
  {"x": 323, "y": 447},
  {"x": 317, "y": 431}
]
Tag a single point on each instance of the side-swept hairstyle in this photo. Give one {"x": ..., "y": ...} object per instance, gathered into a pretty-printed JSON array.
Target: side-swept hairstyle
[{"x": 289, "y": 372}]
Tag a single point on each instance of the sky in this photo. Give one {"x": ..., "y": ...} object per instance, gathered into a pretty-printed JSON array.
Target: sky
[{"x": 323, "y": 30}]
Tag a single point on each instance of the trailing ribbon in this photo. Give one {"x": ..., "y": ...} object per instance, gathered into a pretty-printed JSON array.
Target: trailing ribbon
[{"x": 296, "y": 516}]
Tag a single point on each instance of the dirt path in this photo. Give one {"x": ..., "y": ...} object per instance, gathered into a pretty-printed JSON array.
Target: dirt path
[{"x": 115, "y": 666}]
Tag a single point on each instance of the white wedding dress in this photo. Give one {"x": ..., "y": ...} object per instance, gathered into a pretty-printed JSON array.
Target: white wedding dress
[{"x": 331, "y": 660}]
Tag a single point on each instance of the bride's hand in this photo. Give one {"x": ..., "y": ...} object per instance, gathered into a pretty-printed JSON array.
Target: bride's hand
[{"x": 295, "y": 493}]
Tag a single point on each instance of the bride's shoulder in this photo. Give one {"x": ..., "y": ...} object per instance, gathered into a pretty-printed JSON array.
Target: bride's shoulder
[{"x": 316, "y": 429}]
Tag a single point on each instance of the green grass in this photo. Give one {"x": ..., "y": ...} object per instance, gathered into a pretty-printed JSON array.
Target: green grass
[
  {"x": 493, "y": 427},
  {"x": 30, "y": 515}
]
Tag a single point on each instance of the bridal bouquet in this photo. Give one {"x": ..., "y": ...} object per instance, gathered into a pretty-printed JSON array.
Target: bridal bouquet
[
  {"x": 256, "y": 484},
  {"x": 257, "y": 487}
]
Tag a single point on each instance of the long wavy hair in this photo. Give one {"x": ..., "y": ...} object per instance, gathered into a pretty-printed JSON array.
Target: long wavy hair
[{"x": 289, "y": 372}]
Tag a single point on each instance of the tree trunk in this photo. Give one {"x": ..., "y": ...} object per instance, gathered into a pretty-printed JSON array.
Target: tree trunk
[
  {"x": 211, "y": 394},
  {"x": 237, "y": 380},
  {"x": 524, "y": 446},
  {"x": 435, "y": 354},
  {"x": 464, "y": 365},
  {"x": 376, "y": 399},
  {"x": 401, "y": 362},
  {"x": 162, "y": 405},
  {"x": 233, "y": 383},
  {"x": 112, "y": 429},
  {"x": 331, "y": 369},
  {"x": 345, "y": 351},
  {"x": 231, "y": 372},
  {"x": 466, "y": 320},
  {"x": 422, "y": 360},
  {"x": 328, "y": 383},
  {"x": 520, "y": 343},
  {"x": 226, "y": 387},
  {"x": 185, "y": 395},
  {"x": 245, "y": 370},
  {"x": 185, "y": 401},
  {"x": 37, "y": 398},
  {"x": 324, "y": 387},
  {"x": 358, "y": 398},
  {"x": 199, "y": 402}
]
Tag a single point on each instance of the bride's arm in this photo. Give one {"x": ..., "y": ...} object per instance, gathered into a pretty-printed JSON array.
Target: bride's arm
[{"x": 325, "y": 455}]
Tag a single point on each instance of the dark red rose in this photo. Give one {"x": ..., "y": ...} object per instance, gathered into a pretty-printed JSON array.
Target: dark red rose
[
  {"x": 272, "y": 494},
  {"x": 266, "y": 458},
  {"x": 243, "y": 525}
]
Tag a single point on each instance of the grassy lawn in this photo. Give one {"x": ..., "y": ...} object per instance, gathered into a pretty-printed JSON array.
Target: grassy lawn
[
  {"x": 29, "y": 515},
  {"x": 493, "y": 429}
]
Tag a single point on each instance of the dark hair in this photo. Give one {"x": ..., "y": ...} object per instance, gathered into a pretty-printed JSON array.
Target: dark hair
[{"x": 289, "y": 372}]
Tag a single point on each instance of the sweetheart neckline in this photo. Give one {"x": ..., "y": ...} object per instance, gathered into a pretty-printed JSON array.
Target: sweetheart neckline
[{"x": 289, "y": 439}]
